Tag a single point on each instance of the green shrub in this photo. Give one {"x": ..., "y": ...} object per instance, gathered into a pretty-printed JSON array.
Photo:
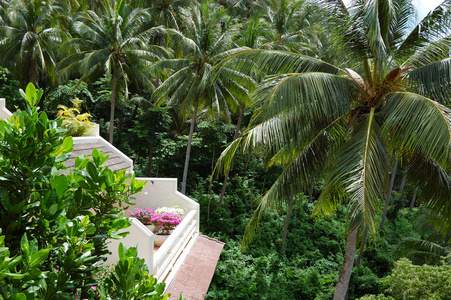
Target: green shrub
[
  {"x": 408, "y": 281},
  {"x": 129, "y": 279},
  {"x": 374, "y": 297},
  {"x": 74, "y": 122}
]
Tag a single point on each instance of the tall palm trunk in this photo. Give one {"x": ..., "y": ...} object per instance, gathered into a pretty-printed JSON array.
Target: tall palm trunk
[
  {"x": 149, "y": 162},
  {"x": 412, "y": 203},
  {"x": 390, "y": 188},
  {"x": 362, "y": 247},
  {"x": 224, "y": 185},
  {"x": 403, "y": 181},
  {"x": 32, "y": 72},
  {"x": 188, "y": 148},
  {"x": 346, "y": 268},
  {"x": 113, "y": 106}
]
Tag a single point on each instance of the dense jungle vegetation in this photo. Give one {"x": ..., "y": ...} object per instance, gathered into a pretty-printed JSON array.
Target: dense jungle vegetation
[{"x": 315, "y": 136}]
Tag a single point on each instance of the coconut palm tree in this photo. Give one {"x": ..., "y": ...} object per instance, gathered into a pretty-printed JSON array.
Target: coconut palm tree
[
  {"x": 313, "y": 117},
  {"x": 29, "y": 40},
  {"x": 280, "y": 16},
  {"x": 192, "y": 85},
  {"x": 113, "y": 42},
  {"x": 166, "y": 12}
]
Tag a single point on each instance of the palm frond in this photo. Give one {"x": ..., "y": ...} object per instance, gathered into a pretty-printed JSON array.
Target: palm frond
[
  {"x": 433, "y": 80},
  {"x": 359, "y": 172},
  {"x": 424, "y": 247},
  {"x": 317, "y": 96},
  {"x": 189, "y": 46},
  {"x": 170, "y": 85},
  {"x": 273, "y": 62},
  {"x": 376, "y": 15},
  {"x": 419, "y": 124},
  {"x": 297, "y": 173},
  {"x": 436, "y": 25},
  {"x": 186, "y": 95},
  {"x": 170, "y": 64},
  {"x": 435, "y": 183},
  {"x": 429, "y": 54}
]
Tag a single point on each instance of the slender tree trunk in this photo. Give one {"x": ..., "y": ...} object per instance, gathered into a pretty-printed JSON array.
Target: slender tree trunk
[
  {"x": 346, "y": 269},
  {"x": 412, "y": 203},
  {"x": 362, "y": 247},
  {"x": 32, "y": 72},
  {"x": 390, "y": 188},
  {"x": 113, "y": 106},
  {"x": 237, "y": 129},
  {"x": 210, "y": 185},
  {"x": 247, "y": 160},
  {"x": 403, "y": 181},
  {"x": 188, "y": 148},
  {"x": 149, "y": 163},
  {"x": 252, "y": 187},
  {"x": 287, "y": 221},
  {"x": 263, "y": 185},
  {"x": 310, "y": 193}
]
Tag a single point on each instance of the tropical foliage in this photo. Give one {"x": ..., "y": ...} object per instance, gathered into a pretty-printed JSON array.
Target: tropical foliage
[
  {"x": 76, "y": 213},
  {"x": 316, "y": 117},
  {"x": 328, "y": 99}
]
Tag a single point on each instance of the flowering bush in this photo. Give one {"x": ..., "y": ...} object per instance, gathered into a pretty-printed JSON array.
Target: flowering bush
[
  {"x": 165, "y": 222},
  {"x": 173, "y": 209},
  {"x": 144, "y": 215}
]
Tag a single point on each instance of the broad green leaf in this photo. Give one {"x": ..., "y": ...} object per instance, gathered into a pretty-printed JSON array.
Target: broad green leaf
[
  {"x": 68, "y": 143},
  {"x": 60, "y": 185}
]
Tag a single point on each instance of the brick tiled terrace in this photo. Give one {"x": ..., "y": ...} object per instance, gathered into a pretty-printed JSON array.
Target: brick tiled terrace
[{"x": 194, "y": 276}]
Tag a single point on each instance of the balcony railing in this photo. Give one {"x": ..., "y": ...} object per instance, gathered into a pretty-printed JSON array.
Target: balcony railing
[{"x": 166, "y": 256}]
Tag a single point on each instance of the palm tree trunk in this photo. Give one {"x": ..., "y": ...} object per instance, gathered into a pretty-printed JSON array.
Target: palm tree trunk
[
  {"x": 362, "y": 247},
  {"x": 247, "y": 160},
  {"x": 224, "y": 184},
  {"x": 412, "y": 203},
  {"x": 252, "y": 186},
  {"x": 403, "y": 181},
  {"x": 346, "y": 268},
  {"x": 113, "y": 106},
  {"x": 149, "y": 163},
  {"x": 188, "y": 148},
  {"x": 390, "y": 188},
  {"x": 32, "y": 72},
  {"x": 210, "y": 185},
  {"x": 287, "y": 221}
]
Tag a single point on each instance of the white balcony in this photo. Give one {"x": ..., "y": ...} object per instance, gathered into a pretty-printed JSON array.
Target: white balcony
[{"x": 164, "y": 261}]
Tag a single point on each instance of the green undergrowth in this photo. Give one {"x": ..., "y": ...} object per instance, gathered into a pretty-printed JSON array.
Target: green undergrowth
[{"x": 309, "y": 265}]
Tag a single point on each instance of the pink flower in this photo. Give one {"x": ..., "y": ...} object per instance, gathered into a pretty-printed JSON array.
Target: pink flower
[{"x": 143, "y": 215}]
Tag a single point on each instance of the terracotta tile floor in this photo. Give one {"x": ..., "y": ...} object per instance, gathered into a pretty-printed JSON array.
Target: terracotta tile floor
[{"x": 194, "y": 276}]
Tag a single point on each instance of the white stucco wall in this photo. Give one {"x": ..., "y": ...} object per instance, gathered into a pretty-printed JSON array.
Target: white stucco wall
[{"x": 160, "y": 192}]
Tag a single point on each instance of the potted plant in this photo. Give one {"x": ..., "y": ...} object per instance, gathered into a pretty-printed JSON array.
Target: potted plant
[
  {"x": 164, "y": 224},
  {"x": 144, "y": 215},
  {"x": 173, "y": 209}
]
